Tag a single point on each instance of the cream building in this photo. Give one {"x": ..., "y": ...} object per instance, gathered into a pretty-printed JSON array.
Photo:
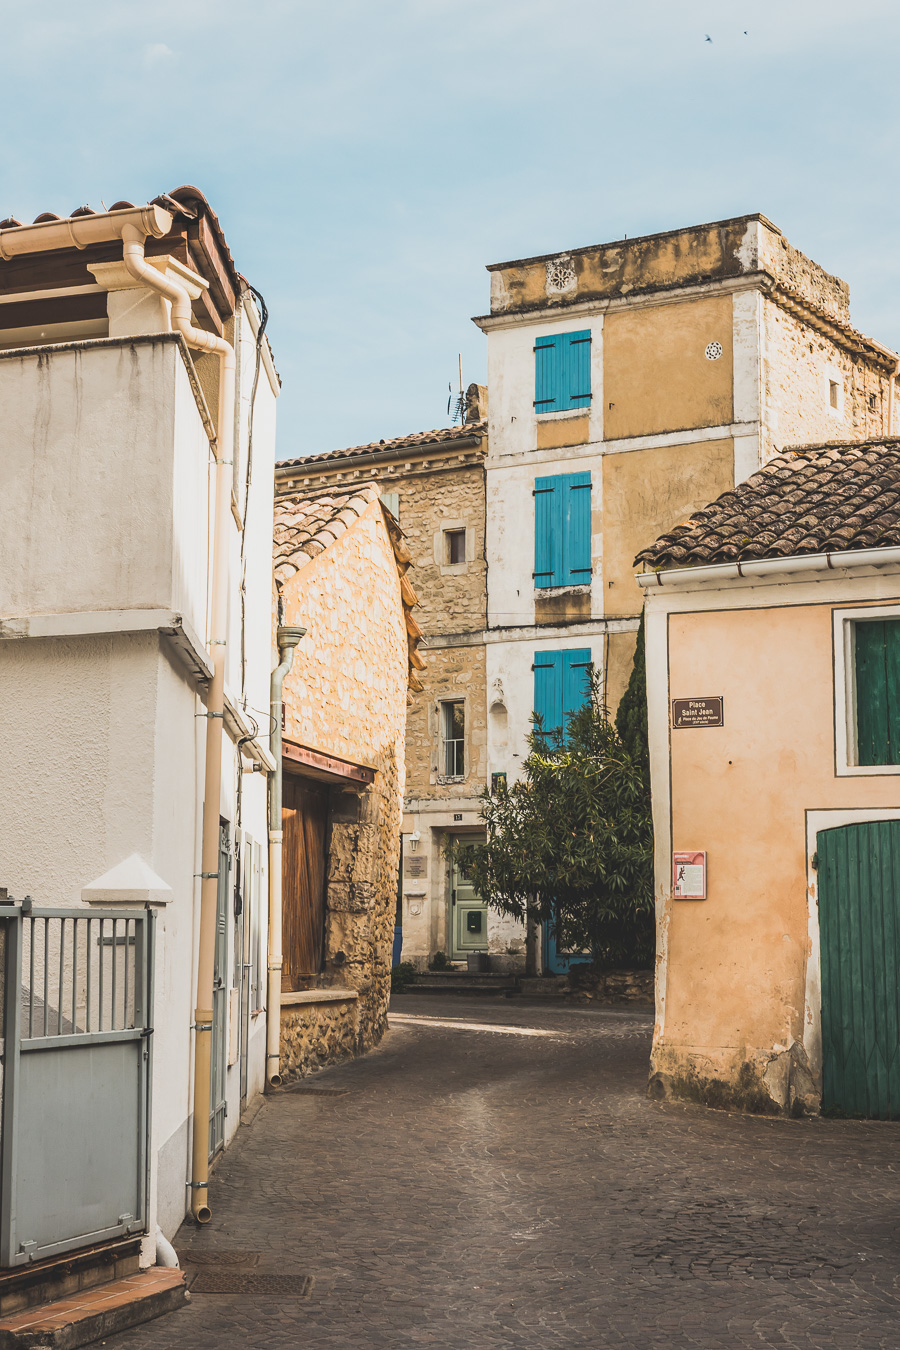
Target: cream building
[
  {"x": 773, "y": 673},
  {"x": 630, "y": 383},
  {"x": 135, "y": 658}
]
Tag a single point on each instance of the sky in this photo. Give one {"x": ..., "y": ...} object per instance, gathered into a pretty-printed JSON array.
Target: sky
[{"x": 367, "y": 160}]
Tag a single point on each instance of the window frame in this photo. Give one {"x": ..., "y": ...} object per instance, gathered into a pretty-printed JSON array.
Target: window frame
[
  {"x": 845, "y": 723},
  {"x": 444, "y": 706},
  {"x": 456, "y": 532}
]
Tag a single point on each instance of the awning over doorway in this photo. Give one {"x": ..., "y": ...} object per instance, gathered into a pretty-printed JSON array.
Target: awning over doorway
[{"x": 303, "y": 759}]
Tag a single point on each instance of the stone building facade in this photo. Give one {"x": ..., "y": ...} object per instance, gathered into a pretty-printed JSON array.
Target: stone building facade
[
  {"x": 433, "y": 483},
  {"x": 340, "y": 569}
]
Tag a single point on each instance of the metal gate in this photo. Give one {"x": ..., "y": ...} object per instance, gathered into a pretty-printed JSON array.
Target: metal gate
[
  {"x": 78, "y": 999},
  {"x": 859, "y": 926}
]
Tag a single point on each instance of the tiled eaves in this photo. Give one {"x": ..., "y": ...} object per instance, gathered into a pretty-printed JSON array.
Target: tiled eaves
[
  {"x": 828, "y": 498},
  {"x": 468, "y": 431}
]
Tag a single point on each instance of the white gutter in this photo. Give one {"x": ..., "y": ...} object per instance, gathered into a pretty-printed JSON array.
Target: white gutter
[
  {"x": 687, "y": 577},
  {"x": 81, "y": 231}
]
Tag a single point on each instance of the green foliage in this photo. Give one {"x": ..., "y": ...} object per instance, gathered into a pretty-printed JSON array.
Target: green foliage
[
  {"x": 440, "y": 961},
  {"x": 631, "y": 718},
  {"x": 402, "y": 977},
  {"x": 572, "y": 840}
]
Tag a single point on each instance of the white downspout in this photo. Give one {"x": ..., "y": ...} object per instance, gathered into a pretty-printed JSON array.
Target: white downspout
[
  {"x": 182, "y": 320},
  {"x": 287, "y": 639}
]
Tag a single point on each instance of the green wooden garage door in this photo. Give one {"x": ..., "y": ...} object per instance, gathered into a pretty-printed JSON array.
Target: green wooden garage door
[{"x": 859, "y": 925}]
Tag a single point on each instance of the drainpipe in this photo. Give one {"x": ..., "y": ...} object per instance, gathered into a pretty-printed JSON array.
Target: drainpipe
[
  {"x": 287, "y": 639},
  {"x": 197, "y": 338}
]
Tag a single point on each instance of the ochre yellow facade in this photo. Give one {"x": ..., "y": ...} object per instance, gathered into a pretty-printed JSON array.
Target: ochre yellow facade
[
  {"x": 656, "y": 374},
  {"x": 645, "y": 493}
]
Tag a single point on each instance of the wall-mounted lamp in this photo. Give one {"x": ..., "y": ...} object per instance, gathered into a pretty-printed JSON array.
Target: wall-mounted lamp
[{"x": 414, "y": 840}]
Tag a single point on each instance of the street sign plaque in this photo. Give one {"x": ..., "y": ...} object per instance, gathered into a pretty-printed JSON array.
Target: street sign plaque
[{"x": 698, "y": 712}]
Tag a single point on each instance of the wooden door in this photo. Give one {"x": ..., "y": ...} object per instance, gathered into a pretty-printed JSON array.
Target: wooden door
[
  {"x": 304, "y": 817},
  {"x": 859, "y": 926}
]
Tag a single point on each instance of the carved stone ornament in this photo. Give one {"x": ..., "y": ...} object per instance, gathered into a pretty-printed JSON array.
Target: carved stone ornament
[{"x": 561, "y": 275}]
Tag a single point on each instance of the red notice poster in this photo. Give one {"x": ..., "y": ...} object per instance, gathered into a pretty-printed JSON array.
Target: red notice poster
[{"x": 689, "y": 876}]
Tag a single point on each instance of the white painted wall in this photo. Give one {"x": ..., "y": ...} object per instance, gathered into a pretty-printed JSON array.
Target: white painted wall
[
  {"x": 103, "y": 483},
  {"x": 105, "y": 495}
]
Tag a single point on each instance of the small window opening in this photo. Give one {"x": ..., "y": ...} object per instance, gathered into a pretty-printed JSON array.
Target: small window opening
[
  {"x": 873, "y": 403},
  {"x": 833, "y": 393},
  {"x": 453, "y": 731},
  {"x": 454, "y": 546}
]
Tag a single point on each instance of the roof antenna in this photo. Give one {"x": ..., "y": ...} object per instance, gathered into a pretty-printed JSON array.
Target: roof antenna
[{"x": 459, "y": 409}]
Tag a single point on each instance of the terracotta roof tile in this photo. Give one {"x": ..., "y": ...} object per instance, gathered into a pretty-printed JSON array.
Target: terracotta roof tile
[
  {"x": 813, "y": 499},
  {"x": 397, "y": 443}
]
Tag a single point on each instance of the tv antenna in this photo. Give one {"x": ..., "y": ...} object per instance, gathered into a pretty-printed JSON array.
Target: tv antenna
[{"x": 459, "y": 407}]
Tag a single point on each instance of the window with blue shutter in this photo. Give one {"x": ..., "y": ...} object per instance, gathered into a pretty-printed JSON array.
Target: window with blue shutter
[
  {"x": 877, "y": 671},
  {"x": 560, "y": 685},
  {"x": 562, "y": 372},
  {"x": 562, "y": 529}
]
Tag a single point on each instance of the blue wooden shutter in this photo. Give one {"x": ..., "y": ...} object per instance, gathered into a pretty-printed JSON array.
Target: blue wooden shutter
[
  {"x": 877, "y": 662},
  {"x": 562, "y": 371},
  {"x": 546, "y": 374},
  {"x": 578, "y": 372},
  {"x": 548, "y": 694},
  {"x": 576, "y": 564},
  {"x": 560, "y": 685},
  {"x": 574, "y": 680},
  {"x": 548, "y": 531},
  {"x": 562, "y": 529}
]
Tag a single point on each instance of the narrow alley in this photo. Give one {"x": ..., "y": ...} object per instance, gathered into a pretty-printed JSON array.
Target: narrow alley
[{"x": 494, "y": 1176}]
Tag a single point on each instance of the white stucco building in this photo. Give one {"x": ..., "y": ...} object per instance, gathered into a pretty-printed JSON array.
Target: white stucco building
[{"x": 135, "y": 626}]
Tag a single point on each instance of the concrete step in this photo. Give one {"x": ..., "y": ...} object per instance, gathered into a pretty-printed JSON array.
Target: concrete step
[{"x": 90, "y": 1314}]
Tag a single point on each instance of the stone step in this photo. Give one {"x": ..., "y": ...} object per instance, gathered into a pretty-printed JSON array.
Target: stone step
[
  {"x": 90, "y": 1314},
  {"x": 458, "y": 982}
]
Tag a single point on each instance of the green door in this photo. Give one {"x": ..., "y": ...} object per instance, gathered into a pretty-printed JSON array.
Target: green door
[
  {"x": 468, "y": 912},
  {"x": 859, "y": 926}
]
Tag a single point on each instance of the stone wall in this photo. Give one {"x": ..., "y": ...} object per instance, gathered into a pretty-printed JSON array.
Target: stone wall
[
  {"x": 346, "y": 695},
  {"x": 452, "y": 601},
  {"x": 798, "y": 363},
  {"x": 314, "y": 1035}
]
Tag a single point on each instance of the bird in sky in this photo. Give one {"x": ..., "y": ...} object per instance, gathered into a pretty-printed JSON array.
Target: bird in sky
[{"x": 708, "y": 38}]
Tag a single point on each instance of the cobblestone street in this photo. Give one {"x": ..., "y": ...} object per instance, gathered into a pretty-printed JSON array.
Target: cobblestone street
[{"x": 488, "y": 1188}]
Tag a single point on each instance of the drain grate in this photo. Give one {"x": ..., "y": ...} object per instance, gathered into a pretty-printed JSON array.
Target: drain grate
[
  {"x": 220, "y": 1258},
  {"x": 239, "y": 1280},
  {"x": 318, "y": 1091}
]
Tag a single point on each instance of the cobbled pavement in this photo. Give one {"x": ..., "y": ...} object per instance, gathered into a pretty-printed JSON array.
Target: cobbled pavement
[{"x": 461, "y": 1188}]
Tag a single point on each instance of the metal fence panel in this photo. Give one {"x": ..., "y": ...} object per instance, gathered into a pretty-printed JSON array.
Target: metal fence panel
[{"x": 78, "y": 995}]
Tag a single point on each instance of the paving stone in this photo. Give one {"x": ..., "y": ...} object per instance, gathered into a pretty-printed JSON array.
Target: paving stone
[{"x": 497, "y": 1192}]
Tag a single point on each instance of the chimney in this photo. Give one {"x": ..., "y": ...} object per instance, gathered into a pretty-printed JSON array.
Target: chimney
[{"x": 476, "y": 403}]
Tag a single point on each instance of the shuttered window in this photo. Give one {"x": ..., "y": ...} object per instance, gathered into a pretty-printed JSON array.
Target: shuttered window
[
  {"x": 562, "y": 529},
  {"x": 877, "y": 669},
  {"x": 562, "y": 372},
  {"x": 560, "y": 685}
]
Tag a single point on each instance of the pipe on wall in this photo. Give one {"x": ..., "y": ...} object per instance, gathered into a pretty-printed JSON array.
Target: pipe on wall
[
  {"x": 287, "y": 639},
  {"x": 197, "y": 338}
]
